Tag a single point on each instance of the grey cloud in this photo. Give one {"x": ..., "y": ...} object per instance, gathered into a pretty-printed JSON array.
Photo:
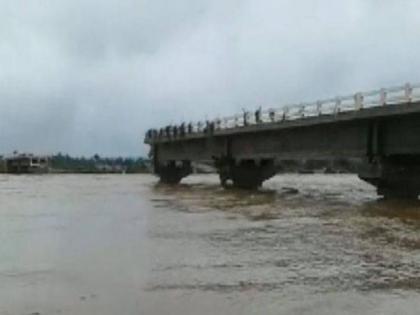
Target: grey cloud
[{"x": 91, "y": 76}]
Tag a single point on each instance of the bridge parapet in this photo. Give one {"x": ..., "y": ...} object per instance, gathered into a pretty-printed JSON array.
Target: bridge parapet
[{"x": 406, "y": 93}]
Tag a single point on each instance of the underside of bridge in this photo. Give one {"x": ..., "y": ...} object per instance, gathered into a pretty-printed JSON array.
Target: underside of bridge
[
  {"x": 171, "y": 172},
  {"x": 248, "y": 174},
  {"x": 394, "y": 176},
  {"x": 384, "y": 143}
]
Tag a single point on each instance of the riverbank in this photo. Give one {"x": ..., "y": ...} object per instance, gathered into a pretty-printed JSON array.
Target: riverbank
[{"x": 66, "y": 164}]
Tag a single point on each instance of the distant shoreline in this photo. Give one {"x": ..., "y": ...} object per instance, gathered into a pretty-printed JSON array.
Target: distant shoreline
[{"x": 66, "y": 164}]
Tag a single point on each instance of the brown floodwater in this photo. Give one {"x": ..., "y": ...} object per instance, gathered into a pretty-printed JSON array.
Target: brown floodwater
[{"x": 121, "y": 244}]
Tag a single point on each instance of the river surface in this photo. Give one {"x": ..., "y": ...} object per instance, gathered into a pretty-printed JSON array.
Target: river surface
[{"x": 108, "y": 245}]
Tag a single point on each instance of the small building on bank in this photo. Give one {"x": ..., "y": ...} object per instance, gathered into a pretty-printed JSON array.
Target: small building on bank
[{"x": 27, "y": 164}]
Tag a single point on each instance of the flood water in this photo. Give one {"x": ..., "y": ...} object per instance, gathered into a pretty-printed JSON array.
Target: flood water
[{"x": 305, "y": 244}]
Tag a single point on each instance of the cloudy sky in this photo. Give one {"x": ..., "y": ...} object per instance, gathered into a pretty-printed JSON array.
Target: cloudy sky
[{"x": 90, "y": 76}]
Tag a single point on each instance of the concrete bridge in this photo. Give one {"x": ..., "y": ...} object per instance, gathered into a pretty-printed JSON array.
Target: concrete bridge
[{"x": 379, "y": 131}]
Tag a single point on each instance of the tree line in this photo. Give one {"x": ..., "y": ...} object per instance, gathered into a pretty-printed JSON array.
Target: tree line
[
  {"x": 97, "y": 164},
  {"x": 64, "y": 163}
]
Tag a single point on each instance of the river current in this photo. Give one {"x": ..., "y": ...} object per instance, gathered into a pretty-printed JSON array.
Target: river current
[{"x": 122, "y": 244}]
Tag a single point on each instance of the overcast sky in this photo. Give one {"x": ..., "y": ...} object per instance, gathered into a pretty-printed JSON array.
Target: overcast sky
[{"x": 90, "y": 76}]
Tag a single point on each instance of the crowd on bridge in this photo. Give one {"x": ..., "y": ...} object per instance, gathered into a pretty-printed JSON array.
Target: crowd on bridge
[{"x": 173, "y": 131}]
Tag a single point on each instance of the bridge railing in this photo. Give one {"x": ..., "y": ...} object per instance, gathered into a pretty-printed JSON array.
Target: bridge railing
[{"x": 333, "y": 106}]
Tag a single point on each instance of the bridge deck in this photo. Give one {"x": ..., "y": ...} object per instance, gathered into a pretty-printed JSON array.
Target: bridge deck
[
  {"x": 381, "y": 132},
  {"x": 362, "y": 114}
]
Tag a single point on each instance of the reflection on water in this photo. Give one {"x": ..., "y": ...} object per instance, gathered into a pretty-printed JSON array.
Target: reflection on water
[{"x": 304, "y": 244}]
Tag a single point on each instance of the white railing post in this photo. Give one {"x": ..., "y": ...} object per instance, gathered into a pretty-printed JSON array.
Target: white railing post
[
  {"x": 236, "y": 121},
  {"x": 408, "y": 92},
  {"x": 382, "y": 97},
  {"x": 358, "y": 101}
]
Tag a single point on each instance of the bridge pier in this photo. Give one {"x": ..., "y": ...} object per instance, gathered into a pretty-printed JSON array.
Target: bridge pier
[
  {"x": 246, "y": 174},
  {"x": 396, "y": 177},
  {"x": 171, "y": 172}
]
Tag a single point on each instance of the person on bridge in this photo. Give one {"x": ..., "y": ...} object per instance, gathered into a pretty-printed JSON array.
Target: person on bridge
[
  {"x": 245, "y": 116},
  {"x": 258, "y": 115}
]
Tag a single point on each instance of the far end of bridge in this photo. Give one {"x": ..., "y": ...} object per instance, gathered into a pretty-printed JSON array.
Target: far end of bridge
[{"x": 378, "y": 131}]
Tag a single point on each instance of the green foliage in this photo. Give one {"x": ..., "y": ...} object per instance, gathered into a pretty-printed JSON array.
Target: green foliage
[{"x": 97, "y": 164}]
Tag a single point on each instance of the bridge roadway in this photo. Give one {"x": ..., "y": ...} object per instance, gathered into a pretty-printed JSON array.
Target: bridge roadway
[{"x": 379, "y": 131}]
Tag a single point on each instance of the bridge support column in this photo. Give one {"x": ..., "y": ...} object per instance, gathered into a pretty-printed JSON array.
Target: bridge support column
[
  {"x": 246, "y": 174},
  {"x": 394, "y": 177},
  {"x": 171, "y": 172}
]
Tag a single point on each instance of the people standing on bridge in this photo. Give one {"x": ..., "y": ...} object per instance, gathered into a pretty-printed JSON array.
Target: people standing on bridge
[
  {"x": 168, "y": 131},
  {"x": 272, "y": 115},
  {"x": 153, "y": 133},
  {"x": 258, "y": 115},
  {"x": 218, "y": 124},
  {"x": 211, "y": 127},
  {"x": 182, "y": 129},
  {"x": 245, "y": 115}
]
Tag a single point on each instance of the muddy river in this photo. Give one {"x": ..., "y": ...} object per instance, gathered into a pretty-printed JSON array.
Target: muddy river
[{"x": 120, "y": 244}]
